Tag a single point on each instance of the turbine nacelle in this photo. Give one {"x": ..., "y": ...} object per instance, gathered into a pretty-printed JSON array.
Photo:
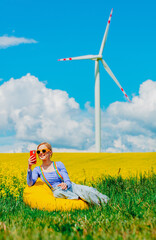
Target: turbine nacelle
[{"x": 97, "y": 57}]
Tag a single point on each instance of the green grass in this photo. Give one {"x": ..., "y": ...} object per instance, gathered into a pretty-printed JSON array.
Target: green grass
[{"x": 130, "y": 214}]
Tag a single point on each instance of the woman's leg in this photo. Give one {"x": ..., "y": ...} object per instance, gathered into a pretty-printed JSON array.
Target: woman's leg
[
  {"x": 58, "y": 192},
  {"x": 89, "y": 194}
]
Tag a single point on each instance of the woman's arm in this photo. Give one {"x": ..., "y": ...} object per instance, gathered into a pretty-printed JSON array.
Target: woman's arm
[
  {"x": 64, "y": 173},
  {"x": 32, "y": 176}
]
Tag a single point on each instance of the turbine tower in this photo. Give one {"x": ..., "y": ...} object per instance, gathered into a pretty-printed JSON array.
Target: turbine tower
[{"x": 98, "y": 58}]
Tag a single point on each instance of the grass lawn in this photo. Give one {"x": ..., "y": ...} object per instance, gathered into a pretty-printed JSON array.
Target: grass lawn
[{"x": 130, "y": 214}]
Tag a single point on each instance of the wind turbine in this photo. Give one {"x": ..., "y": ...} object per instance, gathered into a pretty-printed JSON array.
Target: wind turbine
[{"x": 98, "y": 58}]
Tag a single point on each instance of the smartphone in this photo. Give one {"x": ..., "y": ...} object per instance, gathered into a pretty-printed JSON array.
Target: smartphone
[{"x": 33, "y": 153}]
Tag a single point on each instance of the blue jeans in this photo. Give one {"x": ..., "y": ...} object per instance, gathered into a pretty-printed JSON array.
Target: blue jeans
[{"x": 88, "y": 194}]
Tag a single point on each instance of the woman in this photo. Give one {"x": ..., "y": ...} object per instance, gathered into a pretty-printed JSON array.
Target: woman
[{"x": 56, "y": 177}]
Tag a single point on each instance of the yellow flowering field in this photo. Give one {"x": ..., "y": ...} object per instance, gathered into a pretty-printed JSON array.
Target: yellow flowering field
[{"x": 82, "y": 167}]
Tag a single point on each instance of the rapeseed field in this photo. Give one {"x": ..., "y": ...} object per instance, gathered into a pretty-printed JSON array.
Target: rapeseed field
[
  {"x": 83, "y": 168},
  {"x": 129, "y": 179}
]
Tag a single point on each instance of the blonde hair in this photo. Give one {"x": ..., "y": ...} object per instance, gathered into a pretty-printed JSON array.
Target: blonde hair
[{"x": 47, "y": 145}]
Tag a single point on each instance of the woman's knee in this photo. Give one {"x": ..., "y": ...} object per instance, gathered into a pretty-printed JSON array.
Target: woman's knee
[
  {"x": 58, "y": 194},
  {"x": 67, "y": 194}
]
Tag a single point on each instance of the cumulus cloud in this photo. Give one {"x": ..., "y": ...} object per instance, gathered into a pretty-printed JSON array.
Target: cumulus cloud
[
  {"x": 6, "y": 41},
  {"x": 132, "y": 126},
  {"x": 31, "y": 113}
]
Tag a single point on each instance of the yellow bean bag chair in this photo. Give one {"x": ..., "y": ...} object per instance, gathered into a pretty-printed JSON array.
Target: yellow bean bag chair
[{"x": 40, "y": 196}]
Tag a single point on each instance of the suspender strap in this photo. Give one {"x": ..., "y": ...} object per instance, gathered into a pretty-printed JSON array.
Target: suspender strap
[
  {"x": 59, "y": 175},
  {"x": 44, "y": 178}
]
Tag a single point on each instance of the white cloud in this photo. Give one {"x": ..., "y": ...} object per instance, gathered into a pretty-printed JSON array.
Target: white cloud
[
  {"x": 31, "y": 113},
  {"x": 11, "y": 145},
  {"x": 132, "y": 124},
  {"x": 6, "y": 41}
]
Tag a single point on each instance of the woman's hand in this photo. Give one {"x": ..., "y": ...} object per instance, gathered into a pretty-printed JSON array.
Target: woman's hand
[
  {"x": 31, "y": 161},
  {"x": 63, "y": 185}
]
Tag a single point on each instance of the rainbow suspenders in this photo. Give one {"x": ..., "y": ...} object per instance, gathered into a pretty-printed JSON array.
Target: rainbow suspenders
[{"x": 44, "y": 178}]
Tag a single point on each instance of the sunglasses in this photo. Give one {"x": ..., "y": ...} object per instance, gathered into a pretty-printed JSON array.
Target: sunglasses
[{"x": 44, "y": 150}]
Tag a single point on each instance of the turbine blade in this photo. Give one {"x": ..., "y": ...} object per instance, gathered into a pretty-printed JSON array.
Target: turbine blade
[
  {"x": 105, "y": 34},
  {"x": 92, "y": 57},
  {"x": 114, "y": 78}
]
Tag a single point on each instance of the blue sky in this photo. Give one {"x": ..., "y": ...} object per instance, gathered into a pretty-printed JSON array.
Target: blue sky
[{"x": 58, "y": 29}]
